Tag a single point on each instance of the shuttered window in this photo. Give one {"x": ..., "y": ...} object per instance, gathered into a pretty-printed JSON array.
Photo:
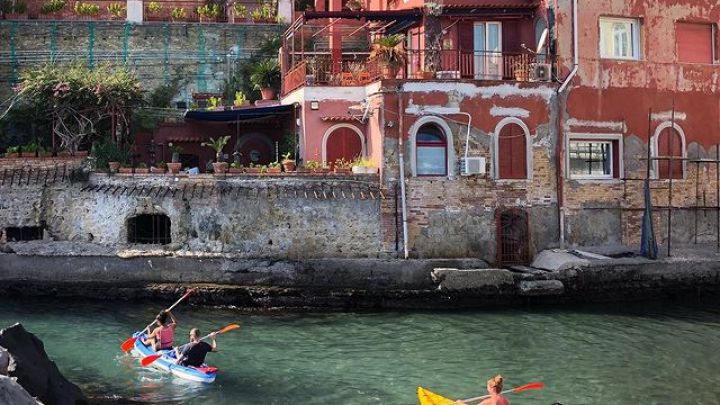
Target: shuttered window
[
  {"x": 695, "y": 42},
  {"x": 512, "y": 153}
]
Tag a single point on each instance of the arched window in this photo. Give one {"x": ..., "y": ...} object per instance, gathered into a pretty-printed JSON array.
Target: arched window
[
  {"x": 511, "y": 154},
  {"x": 669, "y": 141},
  {"x": 149, "y": 229},
  {"x": 431, "y": 151}
]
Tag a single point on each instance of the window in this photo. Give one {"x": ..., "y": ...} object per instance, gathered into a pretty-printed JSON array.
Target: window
[
  {"x": 695, "y": 42},
  {"x": 591, "y": 159},
  {"x": 620, "y": 38},
  {"x": 669, "y": 142},
  {"x": 431, "y": 151},
  {"x": 512, "y": 152}
]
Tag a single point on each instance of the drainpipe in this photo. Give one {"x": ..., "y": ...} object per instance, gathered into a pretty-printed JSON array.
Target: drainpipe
[
  {"x": 401, "y": 155},
  {"x": 560, "y": 146}
]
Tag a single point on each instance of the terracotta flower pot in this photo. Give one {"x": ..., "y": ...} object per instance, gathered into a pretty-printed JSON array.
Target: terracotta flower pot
[
  {"x": 390, "y": 72},
  {"x": 114, "y": 166},
  {"x": 220, "y": 167},
  {"x": 125, "y": 170},
  {"x": 267, "y": 93},
  {"x": 289, "y": 166},
  {"x": 174, "y": 167}
]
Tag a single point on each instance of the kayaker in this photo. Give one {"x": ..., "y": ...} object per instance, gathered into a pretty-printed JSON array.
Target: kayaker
[
  {"x": 193, "y": 353},
  {"x": 161, "y": 338},
  {"x": 494, "y": 388}
]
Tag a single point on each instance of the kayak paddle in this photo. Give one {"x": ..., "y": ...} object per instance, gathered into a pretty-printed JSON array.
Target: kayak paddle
[
  {"x": 526, "y": 387},
  {"x": 128, "y": 344},
  {"x": 147, "y": 360}
]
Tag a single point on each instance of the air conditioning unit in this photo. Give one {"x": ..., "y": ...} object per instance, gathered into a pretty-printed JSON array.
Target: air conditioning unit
[
  {"x": 472, "y": 165},
  {"x": 541, "y": 72}
]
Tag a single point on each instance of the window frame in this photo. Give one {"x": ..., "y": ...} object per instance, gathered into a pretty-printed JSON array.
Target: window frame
[
  {"x": 424, "y": 144},
  {"x": 655, "y": 146},
  {"x": 635, "y": 39},
  {"x": 615, "y": 153}
]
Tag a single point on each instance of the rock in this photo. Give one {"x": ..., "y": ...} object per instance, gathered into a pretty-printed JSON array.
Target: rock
[
  {"x": 459, "y": 280},
  {"x": 13, "y": 393},
  {"x": 4, "y": 361},
  {"x": 35, "y": 371}
]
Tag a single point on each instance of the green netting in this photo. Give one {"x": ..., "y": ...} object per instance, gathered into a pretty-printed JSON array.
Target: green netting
[
  {"x": 53, "y": 40},
  {"x": 202, "y": 61},
  {"x": 166, "y": 46},
  {"x": 13, "y": 52},
  {"x": 91, "y": 44},
  {"x": 126, "y": 34}
]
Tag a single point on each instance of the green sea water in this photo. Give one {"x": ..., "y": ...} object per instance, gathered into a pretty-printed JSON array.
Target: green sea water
[{"x": 653, "y": 353}]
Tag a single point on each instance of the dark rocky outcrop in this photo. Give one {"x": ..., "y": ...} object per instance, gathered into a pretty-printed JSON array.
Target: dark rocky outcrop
[
  {"x": 35, "y": 371},
  {"x": 13, "y": 393}
]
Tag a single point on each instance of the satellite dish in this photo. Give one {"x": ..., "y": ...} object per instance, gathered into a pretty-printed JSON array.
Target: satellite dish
[{"x": 541, "y": 42}]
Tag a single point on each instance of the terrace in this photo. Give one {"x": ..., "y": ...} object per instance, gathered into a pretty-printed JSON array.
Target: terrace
[{"x": 339, "y": 53}]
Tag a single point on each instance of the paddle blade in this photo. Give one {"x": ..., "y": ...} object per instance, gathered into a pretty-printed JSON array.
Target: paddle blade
[
  {"x": 128, "y": 344},
  {"x": 427, "y": 397},
  {"x": 531, "y": 386},
  {"x": 228, "y": 328},
  {"x": 147, "y": 360}
]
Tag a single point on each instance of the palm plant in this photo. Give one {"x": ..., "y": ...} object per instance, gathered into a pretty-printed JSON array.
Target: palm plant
[
  {"x": 217, "y": 145},
  {"x": 265, "y": 77},
  {"x": 388, "y": 50}
]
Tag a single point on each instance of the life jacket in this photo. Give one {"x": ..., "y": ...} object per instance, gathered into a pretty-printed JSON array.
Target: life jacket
[{"x": 165, "y": 336}]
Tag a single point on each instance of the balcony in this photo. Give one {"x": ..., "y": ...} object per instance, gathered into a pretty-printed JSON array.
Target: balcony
[{"x": 359, "y": 69}]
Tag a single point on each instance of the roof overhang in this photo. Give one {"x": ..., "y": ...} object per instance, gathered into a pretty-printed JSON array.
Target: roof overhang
[{"x": 239, "y": 115}]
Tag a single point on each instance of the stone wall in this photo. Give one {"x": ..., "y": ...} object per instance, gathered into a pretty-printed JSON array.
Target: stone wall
[{"x": 274, "y": 218}]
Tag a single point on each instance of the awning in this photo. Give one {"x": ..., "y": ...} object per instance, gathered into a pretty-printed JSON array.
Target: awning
[{"x": 241, "y": 114}]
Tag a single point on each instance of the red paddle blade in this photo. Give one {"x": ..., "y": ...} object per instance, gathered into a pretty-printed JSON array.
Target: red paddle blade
[
  {"x": 147, "y": 360},
  {"x": 531, "y": 386},
  {"x": 128, "y": 344},
  {"x": 228, "y": 328}
]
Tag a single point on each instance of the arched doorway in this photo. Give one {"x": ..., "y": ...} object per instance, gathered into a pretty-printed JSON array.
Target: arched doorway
[
  {"x": 343, "y": 142},
  {"x": 513, "y": 240},
  {"x": 149, "y": 229},
  {"x": 256, "y": 149}
]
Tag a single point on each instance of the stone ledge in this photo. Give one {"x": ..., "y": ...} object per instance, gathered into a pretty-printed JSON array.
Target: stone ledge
[
  {"x": 473, "y": 279},
  {"x": 541, "y": 287}
]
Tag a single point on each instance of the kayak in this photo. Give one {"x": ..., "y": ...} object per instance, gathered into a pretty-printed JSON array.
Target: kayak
[{"x": 166, "y": 362}]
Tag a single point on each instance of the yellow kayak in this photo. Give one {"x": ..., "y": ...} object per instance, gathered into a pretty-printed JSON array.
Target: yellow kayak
[{"x": 427, "y": 397}]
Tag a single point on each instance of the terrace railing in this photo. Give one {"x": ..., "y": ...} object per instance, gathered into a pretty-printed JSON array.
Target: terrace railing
[{"x": 319, "y": 70}]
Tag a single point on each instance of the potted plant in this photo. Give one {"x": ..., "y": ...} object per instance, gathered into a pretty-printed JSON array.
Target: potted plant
[
  {"x": 125, "y": 168},
  {"x": 214, "y": 103},
  {"x": 174, "y": 166},
  {"x": 253, "y": 169},
  {"x": 274, "y": 168},
  {"x": 217, "y": 145},
  {"x": 178, "y": 14},
  {"x": 265, "y": 77},
  {"x": 240, "y": 100},
  {"x": 50, "y": 8},
  {"x": 342, "y": 166},
  {"x": 287, "y": 163},
  {"x": 235, "y": 168},
  {"x": 86, "y": 10},
  {"x": 390, "y": 54},
  {"x": 141, "y": 168},
  {"x": 240, "y": 12},
  {"x": 264, "y": 14},
  {"x": 116, "y": 10},
  {"x": 354, "y": 5},
  {"x": 363, "y": 166},
  {"x": 208, "y": 12},
  {"x": 521, "y": 71},
  {"x": 153, "y": 10}
]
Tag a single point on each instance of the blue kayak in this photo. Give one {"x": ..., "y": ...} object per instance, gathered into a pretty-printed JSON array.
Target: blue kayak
[{"x": 204, "y": 374}]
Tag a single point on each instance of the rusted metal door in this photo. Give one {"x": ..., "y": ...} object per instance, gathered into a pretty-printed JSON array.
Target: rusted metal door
[{"x": 513, "y": 237}]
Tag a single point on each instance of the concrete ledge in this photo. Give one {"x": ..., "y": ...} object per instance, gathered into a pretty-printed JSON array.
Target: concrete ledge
[
  {"x": 541, "y": 287},
  {"x": 473, "y": 279}
]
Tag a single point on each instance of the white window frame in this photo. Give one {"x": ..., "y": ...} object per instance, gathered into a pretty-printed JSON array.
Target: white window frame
[
  {"x": 633, "y": 25},
  {"x": 445, "y": 128},
  {"x": 654, "y": 146},
  {"x": 597, "y": 138}
]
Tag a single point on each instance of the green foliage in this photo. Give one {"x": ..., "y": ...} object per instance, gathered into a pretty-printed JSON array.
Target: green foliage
[
  {"x": 178, "y": 13},
  {"x": 209, "y": 10},
  {"x": 13, "y": 7},
  {"x": 240, "y": 98},
  {"x": 116, "y": 9},
  {"x": 86, "y": 8},
  {"x": 217, "y": 145},
  {"x": 240, "y": 10},
  {"x": 312, "y": 165},
  {"x": 289, "y": 145},
  {"x": 362, "y": 162},
  {"x": 214, "y": 102},
  {"x": 154, "y": 7},
  {"x": 52, "y": 6},
  {"x": 106, "y": 151},
  {"x": 265, "y": 73},
  {"x": 265, "y": 12},
  {"x": 388, "y": 50}
]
